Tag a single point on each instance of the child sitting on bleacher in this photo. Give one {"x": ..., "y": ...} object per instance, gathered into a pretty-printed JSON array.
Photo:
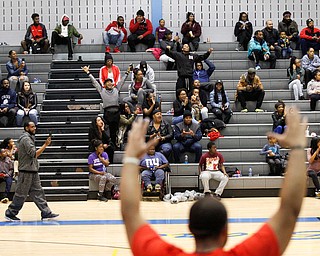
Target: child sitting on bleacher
[
  {"x": 198, "y": 111},
  {"x": 272, "y": 152}
]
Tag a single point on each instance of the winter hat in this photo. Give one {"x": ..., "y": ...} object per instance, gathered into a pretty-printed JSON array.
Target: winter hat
[
  {"x": 286, "y": 13},
  {"x": 65, "y": 18},
  {"x": 140, "y": 13},
  {"x": 108, "y": 57},
  {"x": 251, "y": 71},
  {"x": 308, "y": 21},
  {"x": 156, "y": 111}
]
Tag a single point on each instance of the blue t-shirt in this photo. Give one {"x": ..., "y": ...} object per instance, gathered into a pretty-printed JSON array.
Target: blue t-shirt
[
  {"x": 156, "y": 160},
  {"x": 95, "y": 161}
]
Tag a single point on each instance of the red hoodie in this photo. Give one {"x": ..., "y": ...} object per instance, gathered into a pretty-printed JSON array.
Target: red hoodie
[
  {"x": 114, "y": 25},
  {"x": 144, "y": 28}
]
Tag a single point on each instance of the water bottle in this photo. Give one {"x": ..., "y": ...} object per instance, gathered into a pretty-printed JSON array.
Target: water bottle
[
  {"x": 186, "y": 159},
  {"x": 30, "y": 50},
  {"x": 307, "y": 132},
  {"x": 250, "y": 172},
  {"x": 159, "y": 97}
]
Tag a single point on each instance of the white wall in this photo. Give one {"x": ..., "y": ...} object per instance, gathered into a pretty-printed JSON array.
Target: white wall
[{"x": 217, "y": 17}]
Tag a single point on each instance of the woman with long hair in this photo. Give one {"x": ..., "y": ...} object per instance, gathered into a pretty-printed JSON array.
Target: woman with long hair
[
  {"x": 296, "y": 78},
  {"x": 98, "y": 161},
  {"x": 180, "y": 104},
  {"x": 27, "y": 104},
  {"x": 220, "y": 102},
  {"x": 191, "y": 31},
  {"x": 313, "y": 156},
  {"x": 99, "y": 130},
  {"x": 243, "y": 31}
]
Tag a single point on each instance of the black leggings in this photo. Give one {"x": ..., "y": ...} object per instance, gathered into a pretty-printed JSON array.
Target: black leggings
[{"x": 314, "y": 176}]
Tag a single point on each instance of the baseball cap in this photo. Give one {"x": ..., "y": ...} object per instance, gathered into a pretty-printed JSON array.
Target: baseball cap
[{"x": 251, "y": 71}]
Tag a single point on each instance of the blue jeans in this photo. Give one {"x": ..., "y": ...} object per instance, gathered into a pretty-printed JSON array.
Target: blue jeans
[
  {"x": 166, "y": 149},
  {"x": 147, "y": 174},
  {"x": 113, "y": 39}
]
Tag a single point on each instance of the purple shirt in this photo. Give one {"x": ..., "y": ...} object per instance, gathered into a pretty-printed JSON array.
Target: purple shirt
[
  {"x": 161, "y": 31},
  {"x": 156, "y": 160},
  {"x": 95, "y": 161}
]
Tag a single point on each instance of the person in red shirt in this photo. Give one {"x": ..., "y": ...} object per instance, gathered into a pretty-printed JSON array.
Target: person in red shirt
[
  {"x": 36, "y": 37},
  {"x": 211, "y": 167},
  {"x": 141, "y": 32},
  {"x": 208, "y": 220},
  {"x": 115, "y": 33},
  {"x": 309, "y": 37}
]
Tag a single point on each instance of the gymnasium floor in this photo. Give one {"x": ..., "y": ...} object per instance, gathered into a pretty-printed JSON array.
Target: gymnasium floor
[{"x": 95, "y": 228}]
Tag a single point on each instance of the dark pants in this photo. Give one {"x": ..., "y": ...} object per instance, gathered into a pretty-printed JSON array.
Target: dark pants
[
  {"x": 184, "y": 82},
  {"x": 147, "y": 40},
  {"x": 56, "y": 39},
  {"x": 165, "y": 149},
  {"x": 258, "y": 55},
  {"x": 243, "y": 38},
  {"x": 275, "y": 166},
  {"x": 307, "y": 77},
  {"x": 193, "y": 42},
  {"x": 28, "y": 184},
  {"x": 223, "y": 115},
  {"x": 306, "y": 44},
  {"x": 112, "y": 117},
  {"x": 7, "y": 119},
  {"x": 43, "y": 44},
  {"x": 256, "y": 95},
  {"x": 314, "y": 176},
  {"x": 8, "y": 181},
  {"x": 179, "y": 148},
  {"x": 313, "y": 101}
]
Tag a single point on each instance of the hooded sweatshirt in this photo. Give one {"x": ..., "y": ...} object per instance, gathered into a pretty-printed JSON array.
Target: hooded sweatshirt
[{"x": 27, "y": 153}]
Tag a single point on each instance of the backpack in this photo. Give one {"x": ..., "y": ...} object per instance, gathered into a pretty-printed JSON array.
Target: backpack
[{"x": 208, "y": 123}]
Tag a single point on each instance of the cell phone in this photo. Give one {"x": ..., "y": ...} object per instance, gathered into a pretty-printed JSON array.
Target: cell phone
[
  {"x": 50, "y": 134},
  {"x": 187, "y": 129}
]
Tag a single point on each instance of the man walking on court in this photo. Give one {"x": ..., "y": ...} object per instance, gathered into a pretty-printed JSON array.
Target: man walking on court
[
  {"x": 29, "y": 181},
  {"x": 208, "y": 220}
]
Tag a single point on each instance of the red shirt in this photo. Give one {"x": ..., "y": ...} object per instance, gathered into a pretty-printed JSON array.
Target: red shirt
[
  {"x": 147, "y": 242},
  {"x": 211, "y": 162},
  {"x": 36, "y": 31}
]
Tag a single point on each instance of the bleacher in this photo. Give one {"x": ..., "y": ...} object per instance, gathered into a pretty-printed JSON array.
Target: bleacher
[{"x": 68, "y": 102}]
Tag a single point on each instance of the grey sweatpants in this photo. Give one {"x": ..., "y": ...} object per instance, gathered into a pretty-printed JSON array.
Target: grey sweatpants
[{"x": 28, "y": 184}]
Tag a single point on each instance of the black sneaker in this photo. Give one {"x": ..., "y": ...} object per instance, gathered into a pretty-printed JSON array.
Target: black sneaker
[
  {"x": 301, "y": 98},
  {"x": 102, "y": 198},
  {"x": 207, "y": 194},
  {"x": 52, "y": 50},
  {"x": 51, "y": 216},
  {"x": 217, "y": 196},
  {"x": 12, "y": 218}
]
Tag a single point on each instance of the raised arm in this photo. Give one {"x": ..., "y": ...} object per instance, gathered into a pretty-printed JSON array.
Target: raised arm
[
  {"x": 294, "y": 186},
  {"x": 130, "y": 188},
  {"x": 92, "y": 78}
]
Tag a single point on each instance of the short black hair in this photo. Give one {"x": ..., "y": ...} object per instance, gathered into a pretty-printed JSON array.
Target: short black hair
[
  {"x": 3, "y": 79},
  {"x": 33, "y": 16},
  {"x": 210, "y": 144},
  {"x": 26, "y": 124},
  {"x": 207, "y": 218},
  {"x": 257, "y": 32}
]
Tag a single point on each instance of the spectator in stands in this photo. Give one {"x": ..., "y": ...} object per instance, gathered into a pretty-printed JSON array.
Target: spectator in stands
[
  {"x": 148, "y": 73},
  {"x": 243, "y": 31},
  {"x": 272, "y": 152},
  {"x": 27, "y": 104},
  {"x": 98, "y": 162},
  {"x": 187, "y": 134},
  {"x": 199, "y": 112},
  {"x": 313, "y": 90},
  {"x": 8, "y": 104},
  {"x": 110, "y": 102},
  {"x": 36, "y": 37},
  {"x": 284, "y": 43},
  {"x": 220, "y": 103},
  {"x": 291, "y": 29},
  {"x": 160, "y": 130},
  {"x": 201, "y": 74},
  {"x": 271, "y": 36},
  {"x": 11, "y": 148},
  {"x": 180, "y": 105},
  {"x": 313, "y": 157},
  {"x": 279, "y": 118},
  {"x": 185, "y": 63},
  {"x": 115, "y": 33},
  {"x": 191, "y": 31},
  {"x": 310, "y": 63},
  {"x": 259, "y": 51},
  {"x": 63, "y": 34},
  {"x": 126, "y": 120},
  {"x": 138, "y": 89},
  {"x": 141, "y": 32},
  {"x": 153, "y": 163},
  {"x": 161, "y": 30},
  {"x": 99, "y": 130},
  {"x": 208, "y": 220},
  {"x": 204, "y": 91},
  {"x": 310, "y": 37},
  {"x": 109, "y": 70},
  {"x": 296, "y": 78},
  {"x": 250, "y": 88},
  {"x": 149, "y": 105},
  {"x": 17, "y": 71},
  {"x": 175, "y": 46},
  {"x": 6, "y": 173},
  {"x": 211, "y": 167}
]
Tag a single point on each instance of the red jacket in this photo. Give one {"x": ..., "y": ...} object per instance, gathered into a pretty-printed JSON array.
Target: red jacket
[
  {"x": 144, "y": 28},
  {"x": 104, "y": 74},
  {"x": 114, "y": 24},
  {"x": 307, "y": 33}
]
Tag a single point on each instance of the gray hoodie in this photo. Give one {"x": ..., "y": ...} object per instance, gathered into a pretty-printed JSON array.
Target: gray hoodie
[{"x": 27, "y": 153}]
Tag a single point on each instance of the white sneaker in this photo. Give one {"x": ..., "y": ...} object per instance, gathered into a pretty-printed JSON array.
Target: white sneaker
[
  {"x": 258, "y": 67},
  {"x": 245, "y": 110},
  {"x": 259, "y": 110},
  {"x": 317, "y": 194}
]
